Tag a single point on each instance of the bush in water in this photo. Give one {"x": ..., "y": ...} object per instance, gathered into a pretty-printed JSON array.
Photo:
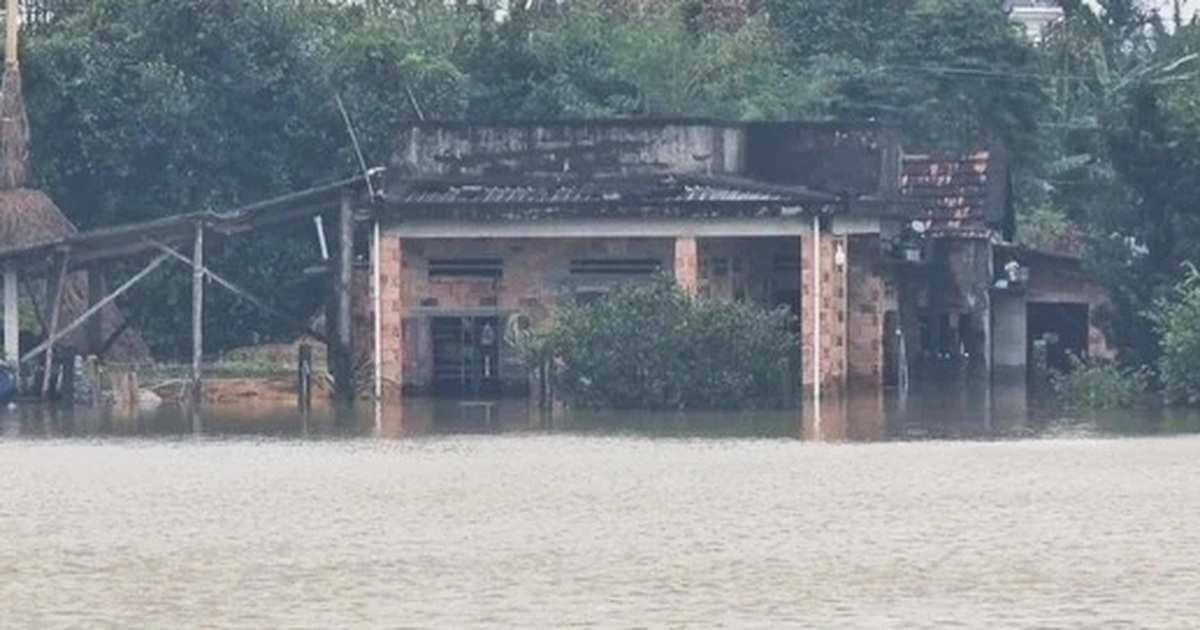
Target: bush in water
[
  {"x": 1099, "y": 384},
  {"x": 1176, "y": 319},
  {"x": 651, "y": 346}
]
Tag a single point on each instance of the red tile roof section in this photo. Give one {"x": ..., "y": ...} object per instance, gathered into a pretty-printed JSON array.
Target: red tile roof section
[{"x": 950, "y": 191}]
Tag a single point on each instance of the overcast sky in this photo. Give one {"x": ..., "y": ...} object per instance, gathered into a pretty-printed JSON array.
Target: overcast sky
[{"x": 1189, "y": 6}]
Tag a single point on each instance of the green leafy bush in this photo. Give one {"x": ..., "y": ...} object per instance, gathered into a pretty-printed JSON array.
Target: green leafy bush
[
  {"x": 1099, "y": 384},
  {"x": 651, "y": 346},
  {"x": 1176, "y": 319}
]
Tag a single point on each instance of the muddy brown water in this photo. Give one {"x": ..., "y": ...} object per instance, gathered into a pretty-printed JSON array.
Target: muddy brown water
[{"x": 954, "y": 512}]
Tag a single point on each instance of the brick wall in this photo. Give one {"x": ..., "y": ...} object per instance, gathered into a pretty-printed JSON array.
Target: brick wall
[
  {"x": 536, "y": 273},
  {"x": 832, "y": 304},
  {"x": 363, "y": 321},
  {"x": 864, "y": 319},
  {"x": 687, "y": 264}
]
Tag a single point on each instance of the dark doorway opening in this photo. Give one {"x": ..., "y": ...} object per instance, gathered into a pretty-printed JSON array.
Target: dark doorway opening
[
  {"x": 466, "y": 357},
  {"x": 1059, "y": 330}
]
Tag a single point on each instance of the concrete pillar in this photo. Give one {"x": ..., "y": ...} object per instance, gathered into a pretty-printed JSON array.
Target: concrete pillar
[
  {"x": 832, "y": 302},
  {"x": 391, "y": 316},
  {"x": 687, "y": 264},
  {"x": 1009, "y": 342},
  {"x": 12, "y": 324}
]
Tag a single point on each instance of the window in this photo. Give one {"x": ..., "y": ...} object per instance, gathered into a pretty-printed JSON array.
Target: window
[
  {"x": 616, "y": 267},
  {"x": 466, "y": 268}
]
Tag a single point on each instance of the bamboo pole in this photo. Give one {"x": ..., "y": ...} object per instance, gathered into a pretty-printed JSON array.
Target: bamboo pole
[
  {"x": 816, "y": 319},
  {"x": 243, "y": 293},
  {"x": 12, "y": 316},
  {"x": 12, "y": 24},
  {"x": 60, "y": 282},
  {"x": 96, "y": 308},
  {"x": 197, "y": 315},
  {"x": 376, "y": 307}
]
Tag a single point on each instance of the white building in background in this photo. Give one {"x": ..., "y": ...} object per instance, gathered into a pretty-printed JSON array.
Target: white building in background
[{"x": 1035, "y": 15}]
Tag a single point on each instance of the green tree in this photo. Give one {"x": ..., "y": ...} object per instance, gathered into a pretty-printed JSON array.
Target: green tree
[
  {"x": 650, "y": 346},
  {"x": 1177, "y": 319},
  {"x": 143, "y": 108}
]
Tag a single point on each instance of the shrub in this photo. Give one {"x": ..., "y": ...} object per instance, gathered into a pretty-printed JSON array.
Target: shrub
[
  {"x": 1176, "y": 319},
  {"x": 1099, "y": 384},
  {"x": 651, "y": 346}
]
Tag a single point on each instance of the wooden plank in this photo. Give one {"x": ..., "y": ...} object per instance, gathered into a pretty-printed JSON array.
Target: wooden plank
[
  {"x": 56, "y": 291},
  {"x": 197, "y": 316}
]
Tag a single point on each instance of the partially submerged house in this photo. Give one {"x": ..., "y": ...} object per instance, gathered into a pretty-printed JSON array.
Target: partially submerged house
[
  {"x": 984, "y": 302},
  {"x": 889, "y": 261},
  {"x": 484, "y": 228},
  {"x": 895, "y": 265}
]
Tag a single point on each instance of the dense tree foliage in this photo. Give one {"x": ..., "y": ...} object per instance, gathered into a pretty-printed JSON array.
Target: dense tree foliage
[
  {"x": 148, "y": 107},
  {"x": 1177, "y": 320}
]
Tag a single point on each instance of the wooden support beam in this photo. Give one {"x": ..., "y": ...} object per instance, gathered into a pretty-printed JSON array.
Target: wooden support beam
[
  {"x": 154, "y": 264},
  {"x": 197, "y": 316},
  {"x": 55, "y": 292},
  {"x": 12, "y": 316},
  {"x": 95, "y": 293},
  {"x": 243, "y": 293},
  {"x": 344, "y": 364}
]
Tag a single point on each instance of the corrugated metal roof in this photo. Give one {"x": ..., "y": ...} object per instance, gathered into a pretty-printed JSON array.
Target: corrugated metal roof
[
  {"x": 582, "y": 193},
  {"x": 670, "y": 190}
]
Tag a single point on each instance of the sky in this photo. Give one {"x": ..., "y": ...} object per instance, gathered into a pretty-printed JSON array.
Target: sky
[{"x": 1189, "y": 6}]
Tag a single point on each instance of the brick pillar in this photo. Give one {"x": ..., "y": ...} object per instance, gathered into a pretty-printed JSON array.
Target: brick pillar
[
  {"x": 362, "y": 323},
  {"x": 864, "y": 319},
  {"x": 832, "y": 303},
  {"x": 391, "y": 274},
  {"x": 687, "y": 265}
]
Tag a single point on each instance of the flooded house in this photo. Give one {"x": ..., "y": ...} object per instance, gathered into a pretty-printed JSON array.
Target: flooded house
[
  {"x": 979, "y": 302},
  {"x": 891, "y": 263}
]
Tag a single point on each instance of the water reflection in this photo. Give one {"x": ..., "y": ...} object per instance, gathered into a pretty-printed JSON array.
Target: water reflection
[{"x": 966, "y": 410}]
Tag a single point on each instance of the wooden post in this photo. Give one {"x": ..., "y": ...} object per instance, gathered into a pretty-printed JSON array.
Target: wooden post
[
  {"x": 12, "y": 317},
  {"x": 304, "y": 377},
  {"x": 55, "y": 291},
  {"x": 95, "y": 331},
  {"x": 197, "y": 316},
  {"x": 341, "y": 359}
]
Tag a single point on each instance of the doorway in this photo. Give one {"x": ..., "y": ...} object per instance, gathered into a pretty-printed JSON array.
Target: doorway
[
  {"x": 1058, "y": 329},
  {"x": 466, "y": 357}
]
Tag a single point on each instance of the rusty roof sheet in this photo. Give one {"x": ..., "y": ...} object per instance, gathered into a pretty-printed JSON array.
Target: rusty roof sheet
[{"x": 951, "y": 192}]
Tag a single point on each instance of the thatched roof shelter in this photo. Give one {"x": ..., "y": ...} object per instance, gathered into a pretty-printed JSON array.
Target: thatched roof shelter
[{"x": 29, "y": 217}]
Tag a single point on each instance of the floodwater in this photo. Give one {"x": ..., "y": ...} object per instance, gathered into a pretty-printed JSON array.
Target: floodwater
[{"x": 884, "y": 513}]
